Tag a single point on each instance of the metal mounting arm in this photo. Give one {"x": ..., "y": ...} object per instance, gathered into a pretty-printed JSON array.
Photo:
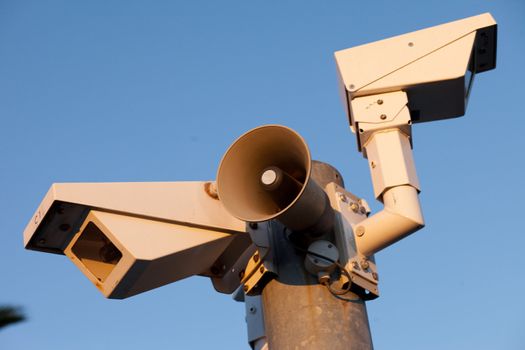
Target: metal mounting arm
[{"x": 383, "y": 127}]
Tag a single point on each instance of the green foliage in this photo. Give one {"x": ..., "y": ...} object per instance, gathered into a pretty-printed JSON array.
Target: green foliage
[{"x": 10, "y": 315}]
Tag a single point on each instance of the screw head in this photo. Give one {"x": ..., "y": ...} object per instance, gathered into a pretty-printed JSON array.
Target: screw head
[
  {"x": 245, "y": 288},
  {"x": 65, "y": 227},
  {"x": 365, "y": 264},
  {"x": 380, "y": 102},
  {"x": 256, "y": 257},
  {"x": 261, "y": 269},
  {"x": 324, "y": 279},
  {"x": 354, "y": 207},
  {"x": 382, "y": 116},
  {"x": 360, "y": 231},
  {"x": 375, "y": 276}
]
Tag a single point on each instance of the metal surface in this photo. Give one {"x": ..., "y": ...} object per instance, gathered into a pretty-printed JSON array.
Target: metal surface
[
  {"x": 128, "y": 238},
  {"x": 348, "y": 218},
  {"x": 315, "y": 263},
  {"x": 391, "y": 161},
  {"x": 124, "y": 255},
  {"x": 396, "y": 185},
  {"x": 296, "y": 201},
  {"x": 433, "y": 66},
  {"x": 65, "y": 206},
  {"x": 300, "y": 313},
  {"x": 255, "y": 322},
  {"x": 228, "y": 270},
  {"x": 371, "y": 116},
  {"x": 256, "y": 275},
  {"x": 400, "y": 217},
  {"x": 386, "y": 143}
]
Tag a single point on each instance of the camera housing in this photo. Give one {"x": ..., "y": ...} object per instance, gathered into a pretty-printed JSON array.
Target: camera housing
[
  {"x": 434, "y": 66},
  {"x": 128, "y": 238}
]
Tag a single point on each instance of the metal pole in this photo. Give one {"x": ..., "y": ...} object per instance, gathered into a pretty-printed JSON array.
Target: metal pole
[{"x": 301, "y": 313}]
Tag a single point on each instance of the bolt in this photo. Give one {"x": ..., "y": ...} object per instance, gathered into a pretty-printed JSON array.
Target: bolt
[
  {"x": 362, "y": 210},
  {"x": 365, "y": 264},
  {"x": 256, "y": 257},
  {"x": 261, "y": 270},
  {"x": 60, "y": 210},
  {"x": 253, "y": 225},
  {"x": 215, "y": 270},
  {"x": 360, "y": 231},
  {"x": 354, "y": 207},
  {"x": 330, "y": 245},
  {"x": 375, "y": 276},
  {"x": 342, "y": 197},
  {"x": 355, "y": 265},
  {"x": 253, "y": 310},
  {"x": 380, "y": 102},
  {"x": 324, "y": 278},
  {"x": 245, "y": 288},
  {"x": 382, "y": 116},
  {"x": 211, "y": 190}
]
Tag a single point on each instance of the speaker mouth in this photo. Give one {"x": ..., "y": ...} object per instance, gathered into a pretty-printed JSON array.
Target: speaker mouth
[{"x": 263, "y": 173}]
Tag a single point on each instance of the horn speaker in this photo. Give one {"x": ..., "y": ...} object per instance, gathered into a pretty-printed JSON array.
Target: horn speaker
[{"x": 266, "y": 174}]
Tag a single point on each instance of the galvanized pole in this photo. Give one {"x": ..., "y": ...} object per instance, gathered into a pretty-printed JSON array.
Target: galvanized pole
[{"x": 301, "y": 313}]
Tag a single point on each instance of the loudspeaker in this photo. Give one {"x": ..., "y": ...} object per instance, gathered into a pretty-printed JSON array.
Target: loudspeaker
[{"x": 266, "y": 174}]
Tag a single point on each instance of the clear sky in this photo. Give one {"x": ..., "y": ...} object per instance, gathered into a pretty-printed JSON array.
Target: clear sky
[{"x": 95, "y": 91}]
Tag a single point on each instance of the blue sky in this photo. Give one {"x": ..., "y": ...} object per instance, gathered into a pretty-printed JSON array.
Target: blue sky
[{"x": 156, "y": 91}]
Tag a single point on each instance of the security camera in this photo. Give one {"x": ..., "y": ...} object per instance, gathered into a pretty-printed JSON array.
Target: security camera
[
  {"x": 390, "y": 84},
  {"x": 128, "y": 238},
  {"x": 434, "y": 66}
]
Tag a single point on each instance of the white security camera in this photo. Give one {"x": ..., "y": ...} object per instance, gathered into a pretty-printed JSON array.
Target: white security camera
[
  {"x": 390, "y": 84},
  {"x": 128, "y": 238},
  {"x": 434, "y": 66}
]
